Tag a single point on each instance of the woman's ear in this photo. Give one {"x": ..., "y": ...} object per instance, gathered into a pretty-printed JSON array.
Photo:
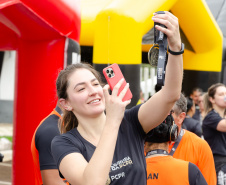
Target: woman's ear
[
  {"x": 211, "y": 100},
  {"x": 64, "y": 103}
]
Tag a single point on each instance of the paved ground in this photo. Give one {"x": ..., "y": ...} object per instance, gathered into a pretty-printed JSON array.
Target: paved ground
[
  {"x": 5, "y": 173},
  {"x": 6, "y": 129}
]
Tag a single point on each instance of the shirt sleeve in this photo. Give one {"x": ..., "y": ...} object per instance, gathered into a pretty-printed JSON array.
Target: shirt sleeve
[
  {"x": 63, "y": 145},
  {"x": 195, "y": 176},
  {"x": 132, "y": 116}
]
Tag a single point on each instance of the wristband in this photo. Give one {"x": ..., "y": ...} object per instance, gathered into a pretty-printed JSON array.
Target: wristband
[{"x": 177, "y": 53}]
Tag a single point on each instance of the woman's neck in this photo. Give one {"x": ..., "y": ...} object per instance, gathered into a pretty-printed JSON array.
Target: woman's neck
[
  {"x": 91, "y": 128},
  {"x": 190, "y": 113},
  {"x": 220, "y": 111}
]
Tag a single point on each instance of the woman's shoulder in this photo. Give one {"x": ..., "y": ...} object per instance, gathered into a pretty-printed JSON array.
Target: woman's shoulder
[
  {"x": 68, "y": 136},
  {"x": 69, "y": 141},
  {"x": 212, "y": 116},
  {"x": 133, "y": 110},
  {"x": 131, "y": 115},
  {"x": 131, "y": 121}
]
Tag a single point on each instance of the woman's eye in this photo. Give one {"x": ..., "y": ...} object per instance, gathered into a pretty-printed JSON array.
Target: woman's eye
[
  {"x": 81, "y": 89},
  {"x": 96, "y": 83}
]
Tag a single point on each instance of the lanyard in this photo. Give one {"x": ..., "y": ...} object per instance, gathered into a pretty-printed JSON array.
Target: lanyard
[
  {"x": 177, "y": 142},
  {"x": 157, "y": 151}
]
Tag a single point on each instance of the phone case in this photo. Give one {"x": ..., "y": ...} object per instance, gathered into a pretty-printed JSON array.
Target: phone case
[{"x": 113, "y": 74}]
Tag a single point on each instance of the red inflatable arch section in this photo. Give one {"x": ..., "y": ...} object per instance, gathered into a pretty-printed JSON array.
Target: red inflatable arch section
[{"x": 38, "y": 31}]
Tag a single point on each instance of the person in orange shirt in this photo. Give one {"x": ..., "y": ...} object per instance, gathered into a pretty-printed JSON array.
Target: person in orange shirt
[
  {"x": 45, "y": 169},
  {"x": 190, "y": 147},
  {"x": 161, "y": 167}
]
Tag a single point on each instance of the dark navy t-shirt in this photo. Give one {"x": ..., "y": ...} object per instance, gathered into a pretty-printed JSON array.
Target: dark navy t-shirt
[
  {"x": 128, "y": 165},
  {"x": 215, "y": 138},
  {"x": 193, "y": 125},
  {"x": 196, "y": 116},
  {"x": 195, "y": 175},
  {"x": 43, "y": 138}
]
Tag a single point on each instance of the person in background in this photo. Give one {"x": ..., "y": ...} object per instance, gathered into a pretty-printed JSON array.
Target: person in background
[
  {"x": 190, "y": 147},
  {"x": 195, "y": 94},
  {"x": 161, "y": 167},
  {"x": 191, "y": 124},
  {"x": 201, "y": 107},
  {"x": 214, "y": 127},
  {"x": 102, "y": 142},
  {"x": 45, "y": 168}
]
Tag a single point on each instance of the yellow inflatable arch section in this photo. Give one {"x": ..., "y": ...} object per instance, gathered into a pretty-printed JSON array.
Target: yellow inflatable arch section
[
  {"x": 115, "y": 29},
  {"x": 203, "y": 34}
]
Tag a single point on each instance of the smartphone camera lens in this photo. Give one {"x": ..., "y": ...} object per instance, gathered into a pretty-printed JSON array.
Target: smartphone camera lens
[{"x": 110, "y": 72}]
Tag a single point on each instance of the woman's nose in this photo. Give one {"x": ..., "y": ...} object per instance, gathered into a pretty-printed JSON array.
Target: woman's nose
[{"x": 92, "y": 90}]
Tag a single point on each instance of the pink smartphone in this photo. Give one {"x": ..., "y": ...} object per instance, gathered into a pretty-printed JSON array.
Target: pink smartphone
[{"x": 113, "y": 74}]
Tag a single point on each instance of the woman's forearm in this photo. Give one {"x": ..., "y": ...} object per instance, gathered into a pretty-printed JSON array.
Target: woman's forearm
[{"x": 98, "y": 168}]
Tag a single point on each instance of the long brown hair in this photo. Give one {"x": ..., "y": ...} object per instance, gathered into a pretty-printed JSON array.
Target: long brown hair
[
  {"x": 211, "y": 93},
  {"x": 69, "y": 120}
]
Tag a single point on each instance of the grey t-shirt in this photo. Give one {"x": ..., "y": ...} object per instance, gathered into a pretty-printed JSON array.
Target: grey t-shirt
[
  {"x": 193, "y": 126},
  {"x": 128, "y": 165}
]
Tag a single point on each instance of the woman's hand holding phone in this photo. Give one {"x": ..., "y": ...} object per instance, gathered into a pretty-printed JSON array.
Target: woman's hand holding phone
[{"x": 115, "y": 107}]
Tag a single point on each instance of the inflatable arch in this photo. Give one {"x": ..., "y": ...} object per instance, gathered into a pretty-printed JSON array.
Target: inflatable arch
[
  {"x": 40, "y": 32},
  {"x": 115, "y": 29}
]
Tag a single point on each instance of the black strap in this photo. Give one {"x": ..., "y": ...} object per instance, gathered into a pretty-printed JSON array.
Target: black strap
[
  {"x": 161, "y": 39},
  {"x": 157, "y": 151},
  {"x": 177, "y": 142},
  {"x": 177, "y": 52},
  {"x": 161, "y": 68}
]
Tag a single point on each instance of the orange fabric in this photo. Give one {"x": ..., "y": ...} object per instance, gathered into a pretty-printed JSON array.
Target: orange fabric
[
  {"x": 171, "y": 146},
  {"x": 35, "y": 154},
  {"x": 166, "y": 170},
  {"x": 196, "y": 150}
]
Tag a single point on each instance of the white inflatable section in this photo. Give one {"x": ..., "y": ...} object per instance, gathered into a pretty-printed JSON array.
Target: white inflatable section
[{"x": 7, "y": 78}]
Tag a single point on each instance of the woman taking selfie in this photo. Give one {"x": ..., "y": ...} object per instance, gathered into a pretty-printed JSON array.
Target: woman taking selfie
[{"x": 102, "y": 142}]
